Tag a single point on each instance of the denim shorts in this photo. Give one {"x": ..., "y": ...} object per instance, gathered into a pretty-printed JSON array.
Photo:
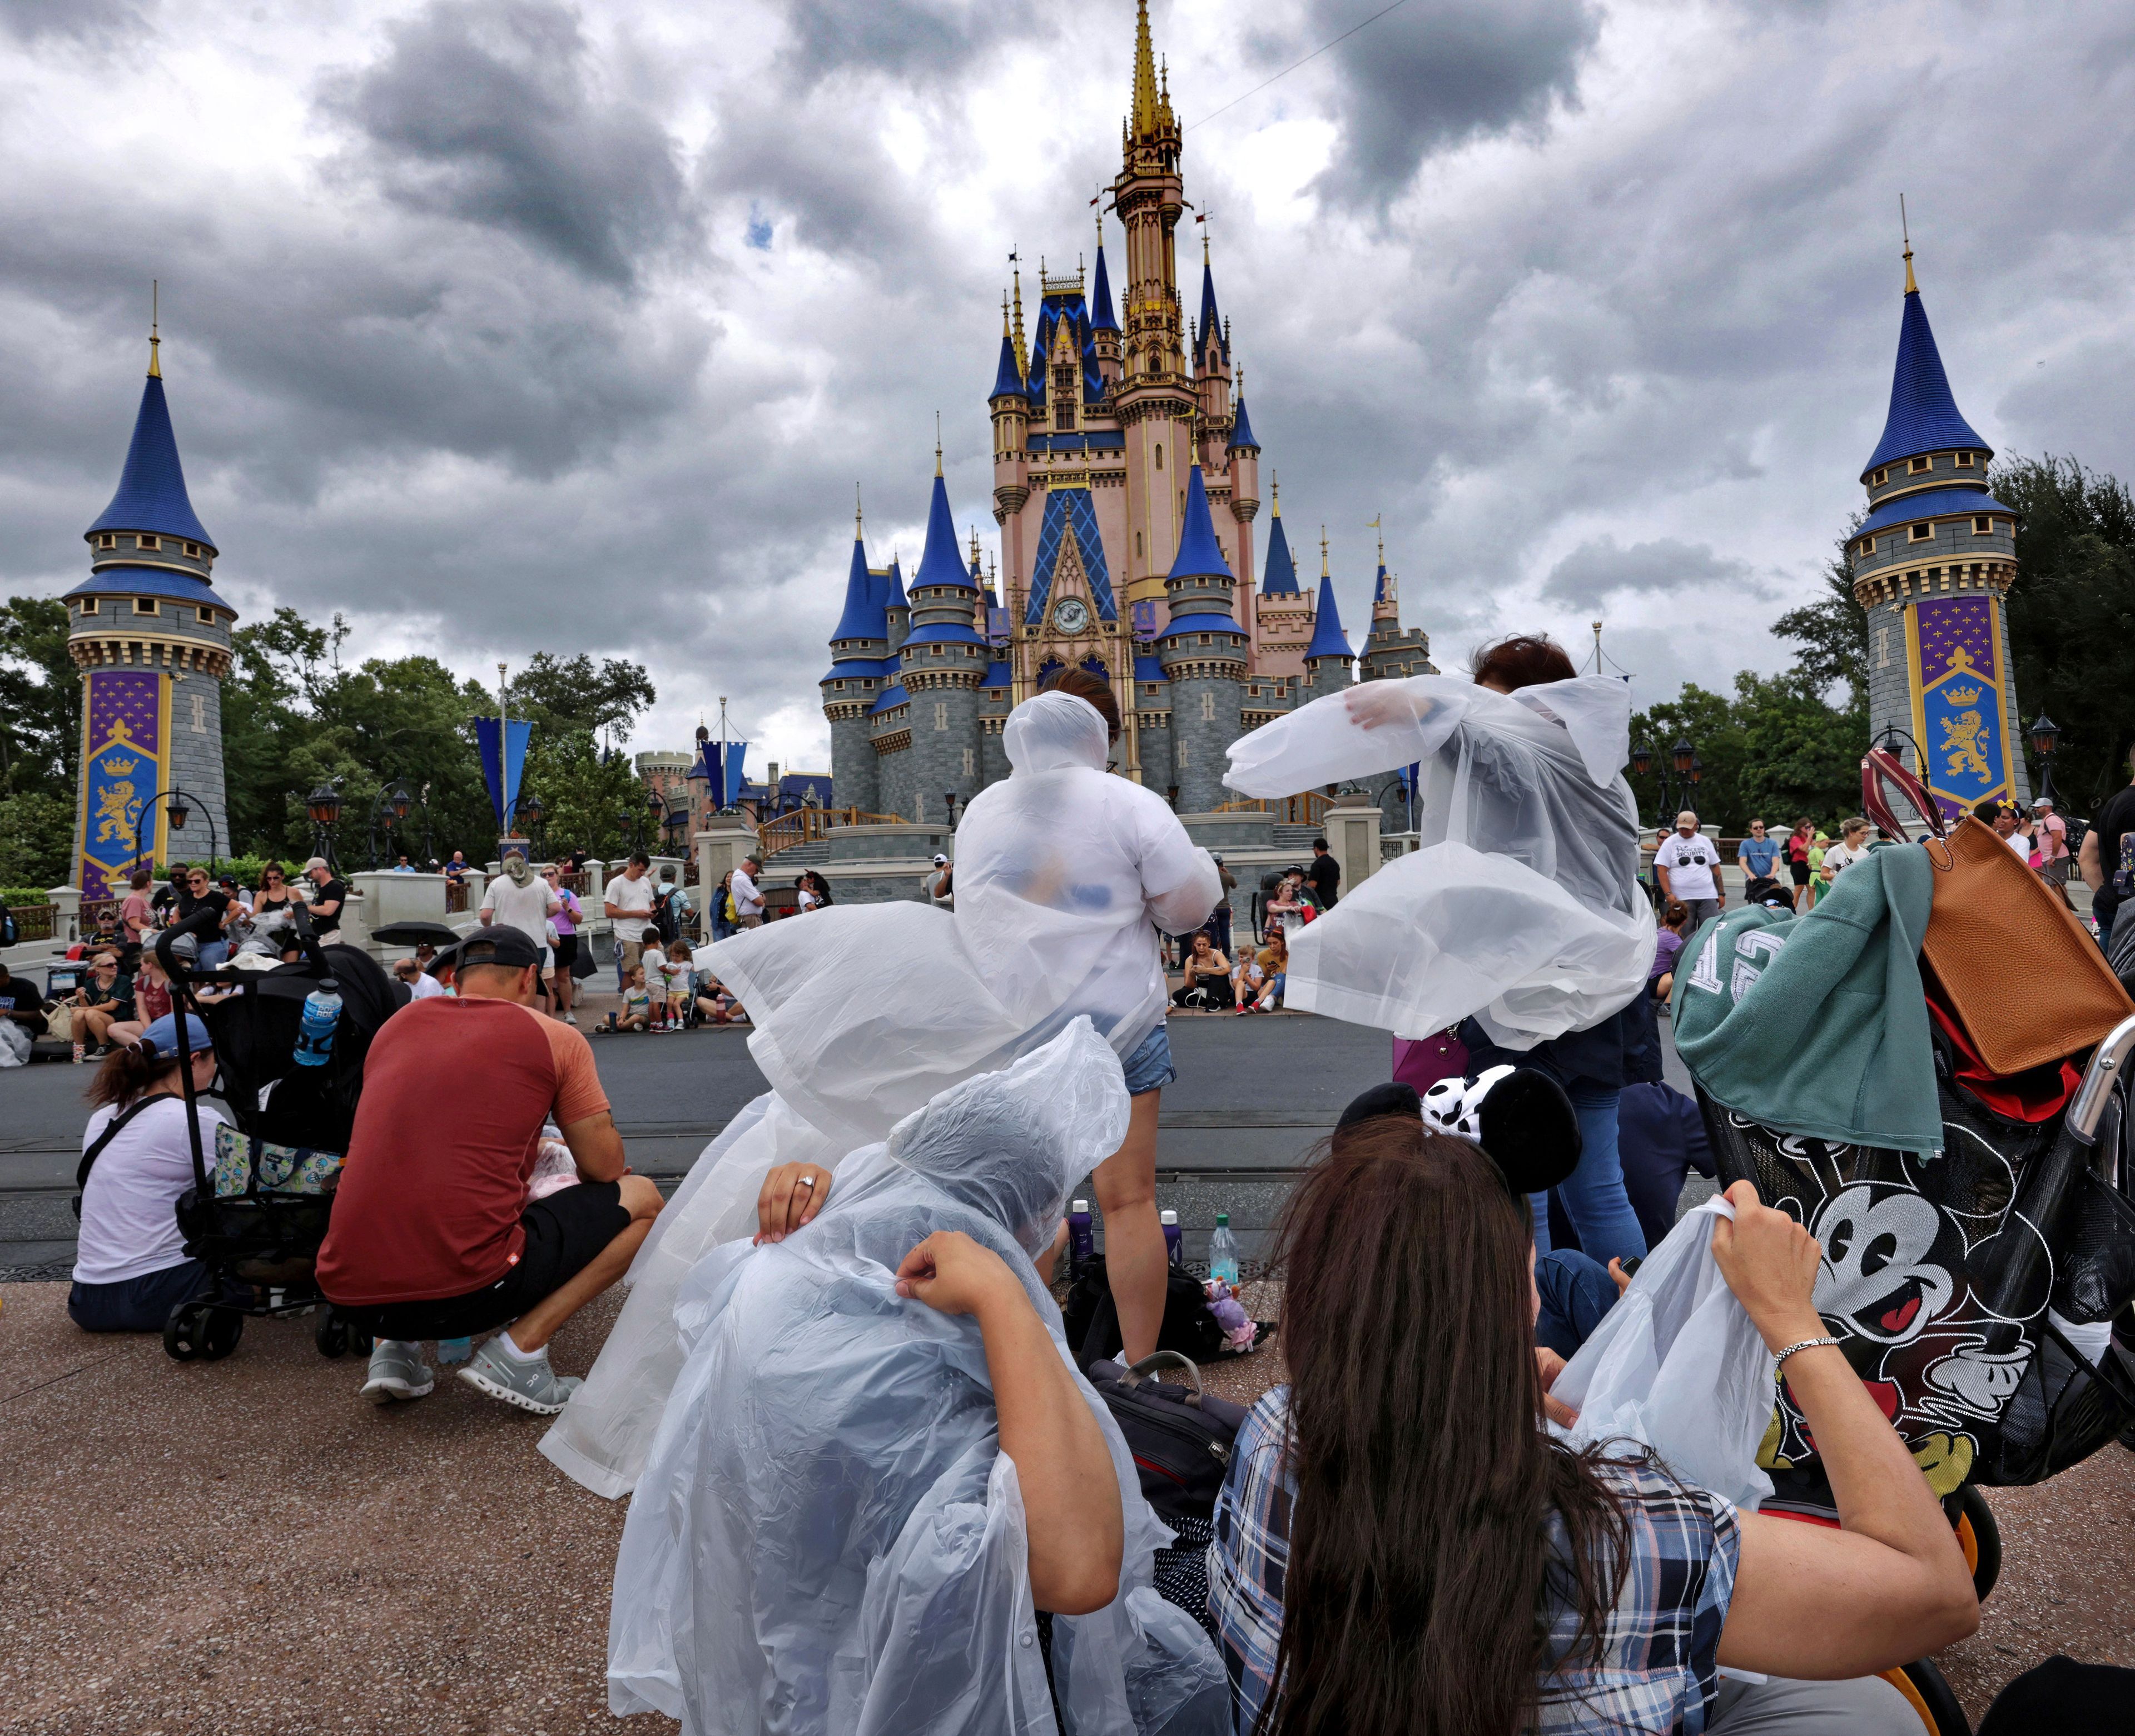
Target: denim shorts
[{"x": 1149, "y": 1068}]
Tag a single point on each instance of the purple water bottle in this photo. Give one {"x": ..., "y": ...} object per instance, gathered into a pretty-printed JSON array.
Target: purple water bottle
[
  {"x": 1174, "y": 1239},
  {"x": 1082, "y": 1240}
]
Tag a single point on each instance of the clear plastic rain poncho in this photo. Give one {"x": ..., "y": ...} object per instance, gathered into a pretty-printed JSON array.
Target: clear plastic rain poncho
[
  {"x": 1521, "y": 909},
  {"x": 863, "y": 1012},
  {"x": 826, "y": 1537}
]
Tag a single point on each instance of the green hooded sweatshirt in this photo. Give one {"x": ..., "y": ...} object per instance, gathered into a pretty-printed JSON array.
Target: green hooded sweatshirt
[{"x": 1817, "y": 1025}]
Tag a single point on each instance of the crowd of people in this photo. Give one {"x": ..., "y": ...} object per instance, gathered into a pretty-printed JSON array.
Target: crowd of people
[{"x": 844, "y": 1318}]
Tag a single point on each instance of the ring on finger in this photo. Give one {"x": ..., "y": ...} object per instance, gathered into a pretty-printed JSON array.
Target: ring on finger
[{"x": 807, "y": 1180}]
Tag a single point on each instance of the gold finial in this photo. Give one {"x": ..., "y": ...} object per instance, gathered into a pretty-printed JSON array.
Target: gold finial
[
  {"x": 937, "y": 442},
  {"x": 1022, "y": 363},
  {"x": 1100, "y": 217},
  {"x": 1905, "y": 229},
  {"x": 1142, "y": 122},
  {"x": 1378, "y": 524},
  {"x": 1323, "y": 551},
  {"x": 1004, "y": 313},
  {"x": 155, "y": 342},
  {"x": 1274, "y": 488},
  {"x": 856, "y": 512}
]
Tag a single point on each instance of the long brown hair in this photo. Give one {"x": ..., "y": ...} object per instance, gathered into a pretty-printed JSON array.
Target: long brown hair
[
  {"x": 1420, "y": 1583},
  {"x": 129, "y": 1073}
]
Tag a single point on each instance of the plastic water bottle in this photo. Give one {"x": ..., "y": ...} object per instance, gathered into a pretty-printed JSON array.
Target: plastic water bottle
[
  {"x": 1223, "y": 1252},
  {"x": 455, "y": 1350},
  {"x": 1081, "y": 1240},
  {"x": 1174, "y": 1240},
  {"x": 315, "y": 1036}
]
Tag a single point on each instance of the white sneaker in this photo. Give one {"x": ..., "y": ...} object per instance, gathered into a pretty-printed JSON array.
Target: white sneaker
[
  {"x": 528, "y": 1383},
  {"x": 397, "y": 1373},
  {"x": 570, "y": 1018}
]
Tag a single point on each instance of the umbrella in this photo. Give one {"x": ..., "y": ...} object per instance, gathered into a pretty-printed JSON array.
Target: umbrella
[{"x": 417, "y": 933}]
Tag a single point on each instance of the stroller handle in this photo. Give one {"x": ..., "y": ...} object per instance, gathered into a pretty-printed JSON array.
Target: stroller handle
[{"x": 2107, "y": 1064}]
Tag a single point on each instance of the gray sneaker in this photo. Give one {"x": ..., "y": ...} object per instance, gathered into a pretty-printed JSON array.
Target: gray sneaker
[
  {"x": 531, "y": 1385},
  {"x": 397, "y": 1372}
]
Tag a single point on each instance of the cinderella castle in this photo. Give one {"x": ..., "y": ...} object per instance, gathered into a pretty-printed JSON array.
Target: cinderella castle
[{"x": 1126, "y": 480}]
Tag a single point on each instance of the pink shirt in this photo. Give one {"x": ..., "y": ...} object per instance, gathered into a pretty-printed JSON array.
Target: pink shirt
[
  {"x": 2052, "y": 837},
  {"x": 136, "y": 914}
]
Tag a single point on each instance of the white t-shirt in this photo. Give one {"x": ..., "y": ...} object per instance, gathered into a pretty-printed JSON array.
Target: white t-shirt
[
  {"x": 129, "y": 1227},
  {"x": 748, "y": 901},
  {"x": 1690, "y": 862},
  {"x": 2017, "y": 841},
  {"x": 1838, "y": 856},
  {"x": 632, "y": 897},
  {"x": 424, "y": 987},
  {"x": 526, "y": 907}
]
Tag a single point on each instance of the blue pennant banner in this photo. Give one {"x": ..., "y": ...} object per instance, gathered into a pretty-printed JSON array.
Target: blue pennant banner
[{"x": 503, "y": 745}]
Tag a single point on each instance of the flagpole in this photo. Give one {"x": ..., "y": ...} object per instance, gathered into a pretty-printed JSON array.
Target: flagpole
[{"x": 503, "y": 751}]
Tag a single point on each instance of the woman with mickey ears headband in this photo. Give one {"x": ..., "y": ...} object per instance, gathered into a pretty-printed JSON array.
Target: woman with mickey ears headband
[{"x": 1521, "y": 920}]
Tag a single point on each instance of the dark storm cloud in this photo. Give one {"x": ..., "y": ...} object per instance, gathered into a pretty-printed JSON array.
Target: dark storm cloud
[
  {"x": 1604, "y": 568},
  {"x": 491, "y": 112},
  {"x": 921, "y": 42},
  {"x": 99, "y": 23},
  {"x": 1435, "y": 76}
]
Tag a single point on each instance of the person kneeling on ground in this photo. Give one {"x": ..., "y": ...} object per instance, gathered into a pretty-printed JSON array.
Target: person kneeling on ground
[
  {"x": 431, "y": 1235},
  {"x": 1518, "y": 1584},
  {"x": 130, "y": 1268}
]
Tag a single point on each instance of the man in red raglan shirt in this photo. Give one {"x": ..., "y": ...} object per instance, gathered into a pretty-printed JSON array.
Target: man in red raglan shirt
[{"x": 431, "y": 1235}]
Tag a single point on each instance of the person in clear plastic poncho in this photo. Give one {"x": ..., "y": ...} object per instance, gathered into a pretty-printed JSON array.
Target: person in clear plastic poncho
[
  {"x": 864, "y": 1014},
  {"x": 831, "y": 1534},
  {"x": 1521, "y": 915}
]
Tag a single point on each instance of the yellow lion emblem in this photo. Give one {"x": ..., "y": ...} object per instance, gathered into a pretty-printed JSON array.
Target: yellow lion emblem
[
  {"x": 1960, "y": 741},
  {"x": 114, "y": 812}
]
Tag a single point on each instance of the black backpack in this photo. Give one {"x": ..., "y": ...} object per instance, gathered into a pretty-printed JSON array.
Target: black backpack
[{"x": 1091, "y": 1323}]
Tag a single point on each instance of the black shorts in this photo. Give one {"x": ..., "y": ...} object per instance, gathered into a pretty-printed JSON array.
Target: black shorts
[
  {"x": 564, "y": 1233},
  {"x": 1799, "y": 870},
  {"x": 567, "y": 952}
]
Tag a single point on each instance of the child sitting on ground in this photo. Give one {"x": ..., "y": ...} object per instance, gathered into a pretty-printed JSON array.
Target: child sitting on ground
[
  {"x": 637, "y": 1014},
  {"x": 716, "y": 1004}
]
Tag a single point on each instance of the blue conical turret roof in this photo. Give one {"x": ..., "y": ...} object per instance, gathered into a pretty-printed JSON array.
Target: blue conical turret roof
[
  {"x": 939, "y": 562},
  {"x": 1328, "y": 638},
  {"x": 1008, "y": 379},
  {"x": 1379, "y": 586},
  {"x": 1200, "y": 555},
  {"x": 1101, "y": 298},
  {"x": 1924, "y": 416},
  {"x": 1280, "y": 579},
  {"x": 893, "y": 586},
  {"x": 1242, "y": 431},
  {"x": 862, "y": 617},
  {"x": 1212, "y": 323},
  {"x": 152, "y": 488}
]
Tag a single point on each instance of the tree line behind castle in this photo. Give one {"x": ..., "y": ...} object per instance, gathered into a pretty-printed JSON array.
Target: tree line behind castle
[{"x": 1782, "y": 744}]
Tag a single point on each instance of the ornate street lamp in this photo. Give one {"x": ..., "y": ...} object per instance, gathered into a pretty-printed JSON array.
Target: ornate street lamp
[
  {"x": 1684, "y": 755},
  {"x": 323, "y": 805},
  {"x": 176, "y": 811},
  {"x": 1642, "y": 760},
  {"x": 2045, "y": 739}
]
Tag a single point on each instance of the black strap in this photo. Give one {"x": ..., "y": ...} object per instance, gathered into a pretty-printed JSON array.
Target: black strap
[{"x": 110, "y": 1132}]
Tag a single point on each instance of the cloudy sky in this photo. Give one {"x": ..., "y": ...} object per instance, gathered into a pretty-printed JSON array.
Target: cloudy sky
[{"x": 512, "y": 325}]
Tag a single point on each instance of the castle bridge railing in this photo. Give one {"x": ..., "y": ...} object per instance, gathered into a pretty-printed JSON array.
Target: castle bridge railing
[
  {"x": 811, "y": 825},
  {"x": 1308, "y": 810}
]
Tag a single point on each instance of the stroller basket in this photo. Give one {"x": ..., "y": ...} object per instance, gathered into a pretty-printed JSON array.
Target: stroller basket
[{"x": 1958, "y": 1285}]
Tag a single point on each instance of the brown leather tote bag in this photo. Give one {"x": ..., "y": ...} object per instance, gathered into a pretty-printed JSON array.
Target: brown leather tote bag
[{"x": 2016, "y": 965}]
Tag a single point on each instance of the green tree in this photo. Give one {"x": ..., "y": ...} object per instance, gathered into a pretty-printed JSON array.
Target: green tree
[
  {"x": 585, "y": 793},
  {"x": 559, "y": 695},
  {"x": 40, "y": 697},
  {"x": 37, "y": 839},
  {"x": 2072, "y": 615}
]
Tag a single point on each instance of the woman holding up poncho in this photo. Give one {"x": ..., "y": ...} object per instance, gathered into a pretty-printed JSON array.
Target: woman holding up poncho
[{"x": 1521, "y": 915}]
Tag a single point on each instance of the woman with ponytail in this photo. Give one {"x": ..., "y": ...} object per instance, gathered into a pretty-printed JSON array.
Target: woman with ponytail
[
  {"x": 130, "y": 1266},
  {"x": 1407, "y": 1551}
]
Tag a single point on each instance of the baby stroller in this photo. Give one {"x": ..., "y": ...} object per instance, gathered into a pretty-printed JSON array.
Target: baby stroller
[
  {"x": 1973, "y": 1289},
  {"x": 261, "y": 1199}
]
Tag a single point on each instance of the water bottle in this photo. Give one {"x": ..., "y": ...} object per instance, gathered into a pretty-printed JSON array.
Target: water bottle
[
  {"x": 1081, "y": 1241},
  {"x": 1174, "y": 1240},
  {"x": 1223, "y": 1252},
  {"x": 322, "y": 1013},
  {"x": 455, "y": 1350}
]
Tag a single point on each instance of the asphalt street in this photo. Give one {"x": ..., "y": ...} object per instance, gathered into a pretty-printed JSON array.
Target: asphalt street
[{"x": 1252, "y": 1096}]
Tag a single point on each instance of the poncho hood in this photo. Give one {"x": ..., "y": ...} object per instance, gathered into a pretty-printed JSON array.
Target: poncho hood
[{"x": 1054, "y": 732}]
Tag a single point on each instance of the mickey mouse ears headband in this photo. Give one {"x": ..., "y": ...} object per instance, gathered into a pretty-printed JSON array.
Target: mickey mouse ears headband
[{"x": 1520, "y": 1116}]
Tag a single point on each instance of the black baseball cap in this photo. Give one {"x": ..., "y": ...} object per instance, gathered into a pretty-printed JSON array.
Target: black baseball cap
[{"x": 512, "y": 948}]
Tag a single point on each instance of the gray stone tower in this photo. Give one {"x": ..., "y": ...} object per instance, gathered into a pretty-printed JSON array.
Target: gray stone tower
[
  {"x": 943, "y": 662},
  {"x": 1390, "y": 654},
  {"x": 1203, "y": 651},
  {"x": 151, "y": 640},
  {"x": 1932, "y": 564},
  {"x": 860, "y": 668}
]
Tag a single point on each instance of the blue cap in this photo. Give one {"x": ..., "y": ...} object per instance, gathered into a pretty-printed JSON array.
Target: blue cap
[{"x": 163, "y": 1036}]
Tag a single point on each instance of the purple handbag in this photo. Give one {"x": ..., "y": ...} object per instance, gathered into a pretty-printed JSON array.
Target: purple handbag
[{"x": 1424, "y": 1063}]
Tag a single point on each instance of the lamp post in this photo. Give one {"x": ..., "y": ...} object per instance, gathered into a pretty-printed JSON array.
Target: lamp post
[
  {"x": 949, "y": 798},
  {"x": 324, "y": 807},
  {"x": 677, "y": 819},
  {"x": 388, "y": 809},
  {"x": 176, "y": 811},
  {"x": 1679, "y": 772},
  {"x": 530, "y": 811},
  {"x": 2045, "y": 739}
]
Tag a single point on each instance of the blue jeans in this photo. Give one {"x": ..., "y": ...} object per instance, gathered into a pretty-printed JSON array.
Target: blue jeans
[
  {"x": 1576, "y": 1292},
  {"x": 212, "y": 954},
  {"x": 1593, "y": 1194}
]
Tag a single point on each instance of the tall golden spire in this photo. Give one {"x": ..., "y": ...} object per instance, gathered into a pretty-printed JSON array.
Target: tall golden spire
[
  {"x": 155, "y": 342},
  {"x": 1274, "y": 488},
  {"x": 1144, "y": 117},
  {"x": 856, "y": 512},
  {"x": 1323, "y": 551},
  {"x": 1905, "y": 229},
  {"x": 937, "y": 442},
  {"x": 1022, "y": 353}
]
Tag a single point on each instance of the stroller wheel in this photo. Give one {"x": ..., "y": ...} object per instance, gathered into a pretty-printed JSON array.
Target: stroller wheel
[
  {"x": 1980, "y": 1537},
  {"x": 1928, "y": 1692},
  {"x": 331, "y": 1337},
  {"x": 221, "y": 1329},
  {"x": 182, "y": 1332}
]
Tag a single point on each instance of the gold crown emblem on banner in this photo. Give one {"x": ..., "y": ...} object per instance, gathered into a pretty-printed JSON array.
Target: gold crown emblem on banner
[
  {"x": 1963, "y": 695},
  {"x": 120, "y": 768}
]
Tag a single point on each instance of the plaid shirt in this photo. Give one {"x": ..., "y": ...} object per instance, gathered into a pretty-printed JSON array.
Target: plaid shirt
[{"x": 1658, "y": 1664}]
